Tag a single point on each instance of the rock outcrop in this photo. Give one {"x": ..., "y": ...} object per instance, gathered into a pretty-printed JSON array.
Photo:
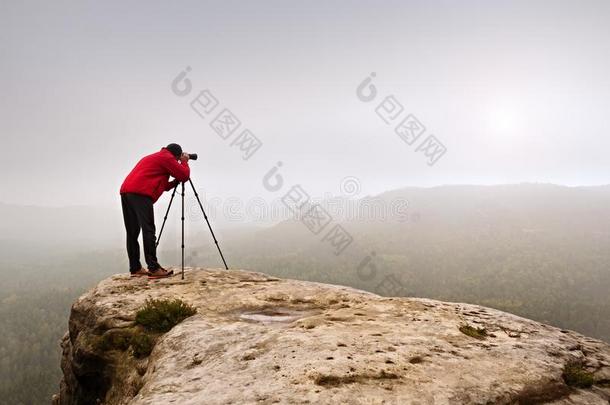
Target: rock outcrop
[{"x": 257, "y": 339}]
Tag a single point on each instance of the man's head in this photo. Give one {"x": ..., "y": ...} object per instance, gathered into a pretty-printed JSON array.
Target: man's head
[{"x": 175, "y": 149}]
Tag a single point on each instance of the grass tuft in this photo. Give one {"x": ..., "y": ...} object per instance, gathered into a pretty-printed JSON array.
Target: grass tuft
[
  {"x": 113, "y": 340},
  {"x": 162, "y": 315},
  {"x": 575, "y": 375},
  {"x": 141, "y": 344}
]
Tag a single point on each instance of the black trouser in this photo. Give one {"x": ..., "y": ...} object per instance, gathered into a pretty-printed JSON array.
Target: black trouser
[{"x": 138, "y": 213}]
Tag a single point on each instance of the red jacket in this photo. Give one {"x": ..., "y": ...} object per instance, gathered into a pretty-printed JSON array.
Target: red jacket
[{"x": 151, "y": 175}]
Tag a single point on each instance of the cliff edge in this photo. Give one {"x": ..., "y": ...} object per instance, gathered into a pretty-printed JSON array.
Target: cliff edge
[{"x": 257, "y": 339}]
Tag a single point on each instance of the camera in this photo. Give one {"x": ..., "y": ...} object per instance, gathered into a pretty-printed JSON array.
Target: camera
[{"x": 192, "y": 156}]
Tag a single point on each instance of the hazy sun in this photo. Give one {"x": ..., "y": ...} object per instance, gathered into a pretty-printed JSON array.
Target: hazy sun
[{"x": 501, "y": 121}]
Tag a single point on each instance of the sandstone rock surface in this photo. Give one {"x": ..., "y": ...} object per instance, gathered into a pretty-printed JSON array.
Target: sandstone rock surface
[{"x": 257, "y": 339}]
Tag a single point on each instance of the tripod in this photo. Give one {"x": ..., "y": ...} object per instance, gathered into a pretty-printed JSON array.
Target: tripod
[{"x": 182, "y": 219}]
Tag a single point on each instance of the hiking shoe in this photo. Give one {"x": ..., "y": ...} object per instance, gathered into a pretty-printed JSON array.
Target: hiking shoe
[
  {"x": 140, "y": 273},
  {"x": 159, "y": 273}
]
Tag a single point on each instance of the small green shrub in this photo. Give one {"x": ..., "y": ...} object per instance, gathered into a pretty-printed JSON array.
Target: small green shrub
[
  {"x": 575, "y": 376},
  {"x": 162, "y": 315},
  {"x": 477, "y": 333},
  {"x": 142, "y": 344}
]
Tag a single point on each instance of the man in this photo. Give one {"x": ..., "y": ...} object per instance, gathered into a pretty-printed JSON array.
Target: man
[{"x": 141, "y": 189}]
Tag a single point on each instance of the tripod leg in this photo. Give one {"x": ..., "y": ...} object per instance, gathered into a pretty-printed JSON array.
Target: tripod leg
[
  {"x": 182, "y": 231},
  {"x": 209, "y": 226},
  {"x": 165, "y": 217}
]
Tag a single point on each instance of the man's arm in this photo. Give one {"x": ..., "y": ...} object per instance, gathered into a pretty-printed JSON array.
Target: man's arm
[
  {"x": 171, "y": 184},
  {"x": 180, "y": 171}
]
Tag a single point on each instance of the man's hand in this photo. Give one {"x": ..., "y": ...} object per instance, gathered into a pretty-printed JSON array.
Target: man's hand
[
  {"x": 184, "y": 157},
  {"x": 171, "y": 184}
]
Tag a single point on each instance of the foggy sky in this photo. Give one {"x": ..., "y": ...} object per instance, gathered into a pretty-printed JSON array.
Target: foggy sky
[{"x": 516, "y": 91}]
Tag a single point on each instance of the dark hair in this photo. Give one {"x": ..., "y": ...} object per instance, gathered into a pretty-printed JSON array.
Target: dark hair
[{"x": 175, "y": 149}]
